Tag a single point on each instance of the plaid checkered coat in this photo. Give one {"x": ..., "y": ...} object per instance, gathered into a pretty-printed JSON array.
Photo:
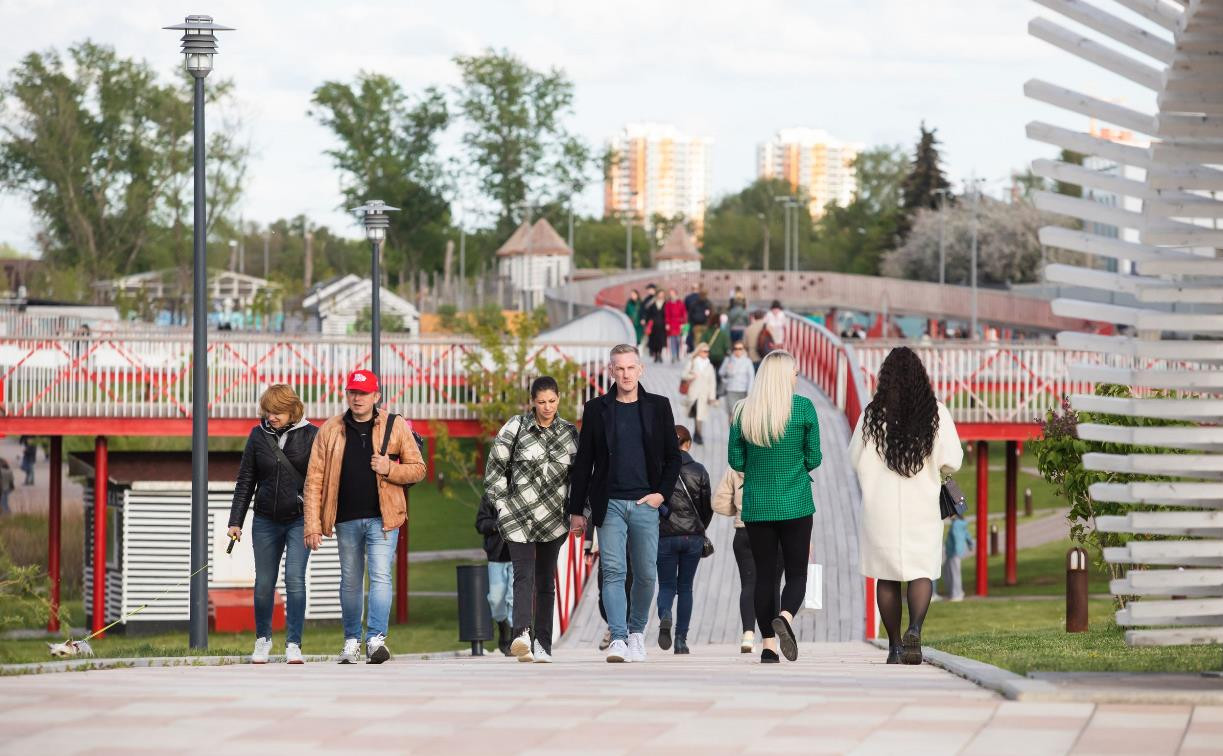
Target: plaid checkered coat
[{"x": 535, "y": 509}]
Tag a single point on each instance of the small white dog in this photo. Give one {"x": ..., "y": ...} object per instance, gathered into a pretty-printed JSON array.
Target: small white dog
[{"x": 70, "y": 648}]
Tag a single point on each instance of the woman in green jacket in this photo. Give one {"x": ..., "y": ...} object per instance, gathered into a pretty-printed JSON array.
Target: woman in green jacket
[
  {"x": 632, "y": 308},
  {"x": 775, "y": 443}
]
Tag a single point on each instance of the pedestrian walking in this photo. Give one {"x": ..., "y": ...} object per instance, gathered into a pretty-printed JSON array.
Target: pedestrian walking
[
  {"x": 626, "y": 467},
  {"x": 500, "y": 574},
  {"x": 715, "y": 334},
  {"x": 698, "y": 389},
  {"x": 776, "y": 322},
  {"x": 676, "y": 316},
  {"x": 697, "y": 311},
  {"x": 737, "y": 317},
  {"x": 656, "y": 325},
  {"x": 775, "y": 443},
  {"x": 738, "y": 375},
  {"x": 7, "y": 485},
  {"x": 527, "y": 479},
  {"x": 681, "y": 544},
  {"x": 632, "y": 308},
  {"x": 273, "y": 474},
  {"x": 958, "y": 544},
  {"x": 728, "y": 501},
  {"x": 904, "y": 444},
  {"x": 354, "y": 488},
  {"x": 751, "y": 338},
  {"x": 29, "y": 455}
]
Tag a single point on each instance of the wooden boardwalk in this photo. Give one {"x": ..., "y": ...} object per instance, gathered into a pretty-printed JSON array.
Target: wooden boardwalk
[{"x": 834, "y": 540}]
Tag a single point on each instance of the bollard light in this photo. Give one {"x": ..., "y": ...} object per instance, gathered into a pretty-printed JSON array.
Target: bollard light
[{"x": 1076, "y": 590}]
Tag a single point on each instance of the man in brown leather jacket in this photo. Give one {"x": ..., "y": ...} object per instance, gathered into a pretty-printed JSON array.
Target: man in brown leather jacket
[{"x": 354, "y": 489}]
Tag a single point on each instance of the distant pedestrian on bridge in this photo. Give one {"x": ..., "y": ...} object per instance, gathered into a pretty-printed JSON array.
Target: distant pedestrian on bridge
[
  {"x": 699, "y": 389},
  {"x": 354, "y": 489},
  {"x": 904, "y": 444},
  {"x": 775, "y": 443},
  {"x": 751, "y": 338},
  {"x": 697, "y": 309},
  {"x": 273, "y": 473},
  {"x": 626, "y": 467},
  {"x": 655, "y": 310},
  {"x": 738, "y": 374},
  {"x": 737, "y": 316},
  {"x": 676, "y": 316},
  {"x": 646, "y": 312},
  {"x": 632, "y": 309},
  {"x": 681, "y": 542},
  {"x": 527, "y": 479}
]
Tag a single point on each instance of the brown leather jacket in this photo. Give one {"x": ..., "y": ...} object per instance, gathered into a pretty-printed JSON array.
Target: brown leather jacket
[{"x": 323, "y": 474}]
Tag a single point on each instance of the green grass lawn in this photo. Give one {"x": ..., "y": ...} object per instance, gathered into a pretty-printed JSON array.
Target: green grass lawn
[
  {"x": 436, "y": 521},
  {"x": 1043, "y": 495},
  {"x": 1041, "y": 571},
  {"x": 1027, "y": 636}
]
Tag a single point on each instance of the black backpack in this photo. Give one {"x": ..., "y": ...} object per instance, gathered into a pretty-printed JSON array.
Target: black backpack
[{"x": 386, "y": 443}]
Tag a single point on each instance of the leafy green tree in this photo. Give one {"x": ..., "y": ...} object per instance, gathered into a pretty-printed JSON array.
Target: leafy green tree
[
  {"x": 1061, "y": 187},
  {"x": 391, "y": 322},
  {"x": 102, "y": 150},
  {"x": 880, "y": 175},
  {"x": 925, "y": 174},
  {"x": 600, "y": 242},
  {"x": 734, "y": 228},
  {"x": 387, "y": 150},
  {"x": 517, "y": 145}
]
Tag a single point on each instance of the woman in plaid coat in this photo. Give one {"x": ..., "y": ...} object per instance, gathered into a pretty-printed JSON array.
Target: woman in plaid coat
[{"x": 527, "y": 480}]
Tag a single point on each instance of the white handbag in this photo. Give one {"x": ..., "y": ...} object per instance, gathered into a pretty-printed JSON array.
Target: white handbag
[{"x": 814, "y": 598}]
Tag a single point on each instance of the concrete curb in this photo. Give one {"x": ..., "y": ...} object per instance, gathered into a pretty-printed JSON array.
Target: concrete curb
[
  {"x": 1019, "y": 688},
  {"x": 86, "y": 665}
]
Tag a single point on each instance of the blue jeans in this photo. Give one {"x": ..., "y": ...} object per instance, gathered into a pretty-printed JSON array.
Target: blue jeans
[
  {"x": 674, "y": 342},
  {"x": 629, "y": 532},
  {"x": 363, "y": 541},
  {"x": 678, "y": 558},
  {"x": 501, "y": 590},
  {"x": 270, "y": 539}
]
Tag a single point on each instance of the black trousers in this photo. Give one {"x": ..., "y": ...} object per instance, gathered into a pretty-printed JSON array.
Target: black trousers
[
  {"x": 794, "y": 538},
  {"x": 747, "y": 579},
  {"x": 535, "y": 587}
]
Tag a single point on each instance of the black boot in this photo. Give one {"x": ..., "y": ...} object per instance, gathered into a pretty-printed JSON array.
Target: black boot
[
  {"x": 893, "y": 655},
  {"x": 681, "y": 643},
  {"x": 664, "y": 634},
  {"x": 910, "y": 652},
  {"x": 505, "y": 636}
]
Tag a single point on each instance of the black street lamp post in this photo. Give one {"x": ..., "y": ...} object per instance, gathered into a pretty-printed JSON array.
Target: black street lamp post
[
  {"x": 374, "y": 215},
  {"x": 199, "y": 45}
]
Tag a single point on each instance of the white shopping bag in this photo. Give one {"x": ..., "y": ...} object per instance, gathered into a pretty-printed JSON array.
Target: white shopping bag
[{"x": 815, "y": 587}]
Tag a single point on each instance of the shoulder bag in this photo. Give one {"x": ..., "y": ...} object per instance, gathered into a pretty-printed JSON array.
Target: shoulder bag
[
  {"x": 707, "y": 546},
  {"x": 295, "y": 475},
  {"x": 951, "y": 500},
  {"x": 386, "y": 443},
  {"x": 509, "y": 466}
]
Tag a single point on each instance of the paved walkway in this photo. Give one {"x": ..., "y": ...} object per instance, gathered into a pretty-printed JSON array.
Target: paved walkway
[
  {"x": 834, "y": 538},
  {"x": 838, "y": 698}
]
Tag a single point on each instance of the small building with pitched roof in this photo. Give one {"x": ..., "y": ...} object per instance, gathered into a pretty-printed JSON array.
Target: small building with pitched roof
[
  {"x": 338, "y": 304},
  {"x": 679, "y": 253},
  {"x": 533, "y": 259}
]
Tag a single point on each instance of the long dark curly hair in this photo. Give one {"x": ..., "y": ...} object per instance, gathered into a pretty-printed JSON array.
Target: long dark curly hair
[{"x": 903, "y": 417}]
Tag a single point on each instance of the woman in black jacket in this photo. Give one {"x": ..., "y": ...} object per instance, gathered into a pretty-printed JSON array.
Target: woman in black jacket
[
  {"x": 273, "y": 471},
  {"x": 681, "y": 539}
]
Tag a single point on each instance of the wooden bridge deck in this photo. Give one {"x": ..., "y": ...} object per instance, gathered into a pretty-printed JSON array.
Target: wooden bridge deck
[{"x": 838, "y": 501}]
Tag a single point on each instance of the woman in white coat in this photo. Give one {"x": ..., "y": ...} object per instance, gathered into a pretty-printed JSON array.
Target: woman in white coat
[
  {"x": 702, "y": 389},
  {"x": 904, "y": 444}
]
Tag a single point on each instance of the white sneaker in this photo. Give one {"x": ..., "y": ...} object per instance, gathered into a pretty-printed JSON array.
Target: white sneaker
[
  {"x": 521, "y": 647},
  {"x": 293, "y": 654},
  {"x": 618, "y": 652},
  {"x": 749, "y": 640},
  {"x": 541, "y": 656},
  {"x": 352, "y": 651},
  {"x": 376, "y": 651},
  {"x": 636, "y": 647},
  {"x": 263, "y": 647}
]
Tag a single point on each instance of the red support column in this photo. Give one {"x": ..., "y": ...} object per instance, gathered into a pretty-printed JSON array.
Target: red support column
[
  {"x": 55, "y": 483},
  {"x": 430, "y": 467},
  {"x": 872, "y": 632},
  {"x": 1012, "y": 484},
  {"x": 982, "y": 518},
  {"x": 100, "y": 486},
  {"x": 401, "y": 568}
]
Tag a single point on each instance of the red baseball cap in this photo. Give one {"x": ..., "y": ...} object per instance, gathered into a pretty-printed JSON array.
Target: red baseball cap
[{"x": 362, "y": 380}]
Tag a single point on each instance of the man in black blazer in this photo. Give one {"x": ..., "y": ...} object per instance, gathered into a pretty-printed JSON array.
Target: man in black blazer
[{"x": 626, "y": 467}]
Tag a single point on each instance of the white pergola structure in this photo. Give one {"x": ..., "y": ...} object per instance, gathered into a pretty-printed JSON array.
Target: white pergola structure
[{"x": 1175, "y": 50}]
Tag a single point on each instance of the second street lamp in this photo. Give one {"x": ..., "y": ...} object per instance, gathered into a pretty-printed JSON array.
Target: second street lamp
[
  {"x": 374, "y": 215},
  {"x": 199, "y": 45}
]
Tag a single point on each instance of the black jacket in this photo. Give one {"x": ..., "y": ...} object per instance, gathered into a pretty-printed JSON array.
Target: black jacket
[
  {"x": 261, "y": 476},
  {"x": 486, "y": 525},
  {"x": 588, "y": 477},
  {"x": 682, "y": 512}
]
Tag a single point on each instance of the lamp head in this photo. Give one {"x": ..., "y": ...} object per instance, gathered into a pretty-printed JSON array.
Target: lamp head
[
  {"x": 374, "y": 216},
  {"x": 199, "y": 43}
]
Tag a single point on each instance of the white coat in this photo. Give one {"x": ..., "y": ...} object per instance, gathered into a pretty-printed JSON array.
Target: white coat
[
  {"x": 702, "y": 388},
  {"x": 902, "y": 533}
]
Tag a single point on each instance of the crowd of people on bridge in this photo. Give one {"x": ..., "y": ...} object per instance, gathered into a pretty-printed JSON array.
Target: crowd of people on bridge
[{"x": 625, "y": 482}]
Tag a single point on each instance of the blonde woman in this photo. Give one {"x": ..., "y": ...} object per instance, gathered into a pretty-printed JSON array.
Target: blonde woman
[
  {"x": 273, "y": 471},
  {"x": 775, "y": 443},
  {"x": 702, "y": 389}
]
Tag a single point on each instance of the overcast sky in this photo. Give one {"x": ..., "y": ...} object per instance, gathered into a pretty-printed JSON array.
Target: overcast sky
[{"x": 863, "y": 70}]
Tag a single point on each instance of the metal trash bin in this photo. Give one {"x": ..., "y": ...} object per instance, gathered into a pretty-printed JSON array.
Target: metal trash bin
[{"x": 475, "y": 617}]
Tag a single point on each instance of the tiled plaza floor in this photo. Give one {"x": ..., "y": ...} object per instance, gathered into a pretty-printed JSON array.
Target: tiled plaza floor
[{"x": 838, "y": 698}]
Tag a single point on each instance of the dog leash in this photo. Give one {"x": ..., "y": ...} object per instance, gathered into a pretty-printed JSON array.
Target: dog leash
[{"x": 146, "y": 605}]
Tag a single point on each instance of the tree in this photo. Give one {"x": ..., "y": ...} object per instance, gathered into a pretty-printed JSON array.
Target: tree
[
  {"x": 1061, "y": 187},
  {"x": 103, "y": 151},
  {"x": 880, "y": 174},
  {"x": 925, "y": 174},
  {"x": 734, "y": 228},
  {"x": 517, "y": 146},
  {"x": 853, "y": 239},
  {"x": 387, "y": 151},
  {"x": 1009, "y": 250}
]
